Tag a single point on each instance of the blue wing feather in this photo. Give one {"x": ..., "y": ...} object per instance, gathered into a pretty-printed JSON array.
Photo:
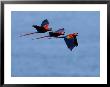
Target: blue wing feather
[
  {"x": 60, "y": 30},
  {"x": 44, "y": 22},
  {"x": 70, "y": 43}
]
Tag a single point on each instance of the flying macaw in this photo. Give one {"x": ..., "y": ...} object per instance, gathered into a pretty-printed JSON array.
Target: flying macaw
[
  {"x": 40, "y": 29},
  {"x": 71, "y": 40}
]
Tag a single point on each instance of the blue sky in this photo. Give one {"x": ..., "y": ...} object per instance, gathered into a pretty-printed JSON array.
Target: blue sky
[{"x": 51, "y": 57}]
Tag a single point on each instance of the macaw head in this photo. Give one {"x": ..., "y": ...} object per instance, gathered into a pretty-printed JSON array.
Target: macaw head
[
  {"x": 75, "y": 34},
  {"x": 70, "y": 36}
]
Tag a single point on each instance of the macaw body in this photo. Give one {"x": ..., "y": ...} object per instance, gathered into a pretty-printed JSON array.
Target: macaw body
[
  {"x": 40, "y": 29},
  {"x": 57, "y": 33},
  {"x": 43, "y": 28},
  {"x": 71, "y": 40},
  {"x": 54, "y": 34}
]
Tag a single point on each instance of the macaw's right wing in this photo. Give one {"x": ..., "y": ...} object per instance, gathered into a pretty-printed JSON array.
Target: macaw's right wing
[
  {"x": 60, "y": 30},
  {"x": 45, "y": 22},
  {"x": 71, "y": 42}
]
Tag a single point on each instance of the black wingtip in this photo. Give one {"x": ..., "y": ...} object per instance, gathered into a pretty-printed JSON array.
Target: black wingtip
[
  {"x": 70, "y": 49},
  {"x": 45, "y": 20}
]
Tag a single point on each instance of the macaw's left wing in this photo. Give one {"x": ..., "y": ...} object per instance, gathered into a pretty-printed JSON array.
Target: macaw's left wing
[
  {"x": 71, "y": 42},
  {"x": 45, "y": 22},
  {"x": 60, "y": 30}
]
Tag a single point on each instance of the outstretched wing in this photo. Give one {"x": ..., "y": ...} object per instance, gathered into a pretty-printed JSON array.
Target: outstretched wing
[
  {"x": 71, "y": 42},
  {"x": 60, "y": 31},
  {"x": 45, "y": 22}
]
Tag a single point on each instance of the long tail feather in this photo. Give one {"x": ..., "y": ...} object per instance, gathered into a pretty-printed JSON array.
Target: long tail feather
[
  {"x": 28, "y": 34},
  {"x": 41, "y": 37},
  {"x": 61, "y": 37}
]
